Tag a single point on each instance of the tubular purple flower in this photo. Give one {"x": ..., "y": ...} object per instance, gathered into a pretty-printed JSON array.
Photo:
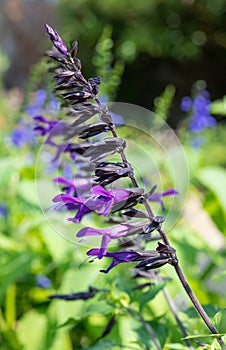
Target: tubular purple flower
[
  {"x": 112, "y": 197},
  {"x": 78, "y": 186},
  {"x": 83, "y": 205},
  {"x": 101, "y": 202},
  {"x": 110, "y": 233},
  {"x": 54, "y": 128},
  {"x": 157, "y": 197},
  {"x": 117, "y": 257}
]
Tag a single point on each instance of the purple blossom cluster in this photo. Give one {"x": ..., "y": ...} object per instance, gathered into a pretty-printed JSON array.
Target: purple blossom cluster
[
  {"x": 24, "y": 133},
  {"x": 87, "y": 193},
  {"x": 200, "y": 109}
]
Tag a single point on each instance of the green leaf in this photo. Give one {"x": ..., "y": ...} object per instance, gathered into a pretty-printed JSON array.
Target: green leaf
[
  {"x": 70, "y": 322},
  {"x": 16, "y": 267},
  {"x": 161, "y": 330},
  {"x": 32, "y": 329},
  {"x": 219, "y": 320},
  {"x": 143, "y": 337},
  {"x": 98, "y": 307},
  {"x": 209, "y": 309},
  {"x": 214, "y": 178},
  {"x": 58, "y": 247},
  {"x": 103, "y": 345},
  {"x": 176, "y": 346},
  {"x": 219, "y": 107},
  {"x": 204, "y": 336},
  {"x": 151, "y": 293},
  {"x": 26, "y": 190},
  {"x": 9, "y": 244}
]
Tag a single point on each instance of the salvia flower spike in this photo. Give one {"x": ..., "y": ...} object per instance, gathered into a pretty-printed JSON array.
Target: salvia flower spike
[{"x": 80, "y": 96}]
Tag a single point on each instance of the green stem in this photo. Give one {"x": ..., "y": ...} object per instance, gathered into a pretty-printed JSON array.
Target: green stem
[{"x": 10, "y": 306}]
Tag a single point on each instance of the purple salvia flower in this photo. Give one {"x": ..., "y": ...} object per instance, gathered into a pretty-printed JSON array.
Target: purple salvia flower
[
  {"x": 23, "y": 135},
  {"x": 101, "y": 202},
  {"x": 78, "y": 186},
  {"x": 56, "y": 39},
  {"x": 117, "y": 257},
  {"x": 157, "y": 197},
  {"x": 111, "y": 233},
  {"x": 82, "y": 205},
  {"x": 52, "y": 128},
  {"x": 113, "y": 197},
  {"x": 45, "y": 126}
]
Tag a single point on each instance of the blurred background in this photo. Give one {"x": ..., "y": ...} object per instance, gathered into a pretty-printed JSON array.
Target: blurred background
[
  {"x": 151, "y": 53},
  {"x": 160, "y": 42}
]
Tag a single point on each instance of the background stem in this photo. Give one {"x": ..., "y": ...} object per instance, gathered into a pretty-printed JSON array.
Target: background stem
[{"x": 174, "y": 312}]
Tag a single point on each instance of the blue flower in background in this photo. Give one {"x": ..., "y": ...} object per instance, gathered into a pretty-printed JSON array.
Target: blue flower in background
[
  {"x": 23, "y": 135},
  {"x": 37, "y": 108},
  {"x": 42, "y": 281},
  {"x": 3, "y": 211},
  {"x": 186, "y": 104},
  {"x": 200, "y": 107}
]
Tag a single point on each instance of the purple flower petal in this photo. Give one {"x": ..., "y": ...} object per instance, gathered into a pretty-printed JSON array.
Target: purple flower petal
[
  {"x": 117, "y": 257},
  {"x": 157, "y": 197},
  {"x": 77, "y": 186},
  {"x": 110, "y": 233},
  {"x": 170, "y": 192}
]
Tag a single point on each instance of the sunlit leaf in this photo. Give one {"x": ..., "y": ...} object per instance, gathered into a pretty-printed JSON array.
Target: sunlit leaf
[
  {"x": 214, "y": 178},
  {"x": 220, "y": 320}
]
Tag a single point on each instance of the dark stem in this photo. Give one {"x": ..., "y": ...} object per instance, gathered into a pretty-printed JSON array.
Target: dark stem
[
  {"x": 174, "y": 312},
  {"x": 197, "y": 304},
  {"x": 191, "y": 294},
  {"x": 174, "y": 258}
]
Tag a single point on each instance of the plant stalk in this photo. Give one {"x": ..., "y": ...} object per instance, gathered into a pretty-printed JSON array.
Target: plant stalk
[
  {"x": 191, "y": 294},
  {"x": 174, "y": 312},
  {"x": 174, "y": 258}
]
